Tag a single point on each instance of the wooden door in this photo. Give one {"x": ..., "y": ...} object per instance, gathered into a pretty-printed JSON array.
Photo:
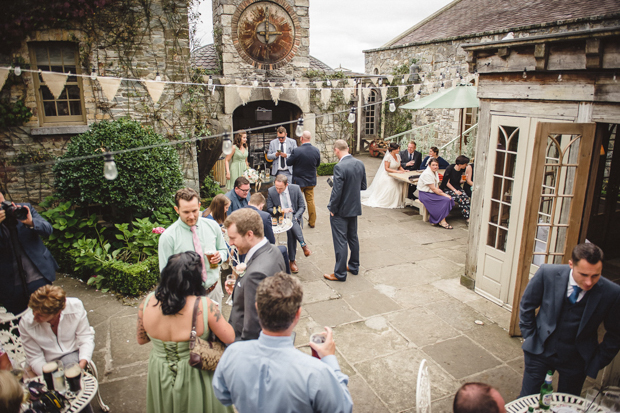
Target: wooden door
[{"x": 555, "y": 200}]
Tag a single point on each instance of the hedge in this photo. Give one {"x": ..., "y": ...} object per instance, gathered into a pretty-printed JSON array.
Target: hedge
[
  {"x": 131, "y": 279},
  {"x": 326, "y": 169}
]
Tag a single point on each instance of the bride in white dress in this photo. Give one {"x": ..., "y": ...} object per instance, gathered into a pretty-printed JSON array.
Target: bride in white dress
[{"x": 385, "y": 191}]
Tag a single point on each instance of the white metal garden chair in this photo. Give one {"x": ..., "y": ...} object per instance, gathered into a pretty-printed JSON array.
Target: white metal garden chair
[{"x": 423, "y": 390}]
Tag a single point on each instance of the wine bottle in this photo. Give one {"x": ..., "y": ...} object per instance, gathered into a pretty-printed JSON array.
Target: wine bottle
[
  {"x": 274, "y": 217},
  {"x": 546, "y": 392},
  {"x": 280, "y": 215}
]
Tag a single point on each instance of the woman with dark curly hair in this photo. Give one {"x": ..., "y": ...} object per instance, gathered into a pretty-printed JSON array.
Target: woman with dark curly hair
[{"x": 165, "y": 319}]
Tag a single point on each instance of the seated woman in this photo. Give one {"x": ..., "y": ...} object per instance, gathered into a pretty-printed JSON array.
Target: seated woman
[
  {"x": 218, "y": 210},
  {"x": 451, "y": 184},
  {"x": 165, "y": 319},
  {"x": 434, "y": 153},
  {"x": 11, "y": 393},
  {"x": 49, "y": 312},
  {"x": 385, "y": 191},
  {"x": 437, "y": 203}
]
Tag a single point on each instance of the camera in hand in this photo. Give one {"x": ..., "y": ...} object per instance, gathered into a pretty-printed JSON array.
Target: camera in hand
[{"x": 14, "y": 214}]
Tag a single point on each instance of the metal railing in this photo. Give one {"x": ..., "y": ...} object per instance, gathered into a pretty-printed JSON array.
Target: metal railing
[
  {"x": 452, "y": 149},
  {"x": 418, "y": 134}
]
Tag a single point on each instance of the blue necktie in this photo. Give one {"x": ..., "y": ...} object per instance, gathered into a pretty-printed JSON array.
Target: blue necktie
[{"x": 574, "y": 294}]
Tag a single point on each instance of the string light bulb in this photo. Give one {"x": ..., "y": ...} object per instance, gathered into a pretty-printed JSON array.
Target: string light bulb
[
  {"x": 255, "y": 83},
  {"x": 403, "y": 79},
  {"x": 17, "y": 70},
  {"x": 157, "y": 77},
  {"x": 524, "y": 73},
  {"x": 329, "y": 82},
  {"x": 392, "y": 105},
  {"x": 417, "y": 96},
  {"x": 351, "y": 117},
  {"x": 227, "y": 144},
  {"x": 109, "y": 167},
  {"x": 380, "y": 82},
  {"x": 294, "y": 84},
  {"x": 560, "y": 77},
  {"x": 442, "y": 86},
  {"x": 614, "y": 77},
  {"x": 299, "y": 130},
  {"x": 93, "y": 74},
  {"x": 210, "y": 81}
]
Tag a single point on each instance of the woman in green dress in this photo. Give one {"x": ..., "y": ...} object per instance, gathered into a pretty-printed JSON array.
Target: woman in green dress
[
  {"x": 237, "y": 161},
  {"x": 165, "y": 319}
]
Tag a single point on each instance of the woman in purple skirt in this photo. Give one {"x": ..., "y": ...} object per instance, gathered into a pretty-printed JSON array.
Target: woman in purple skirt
[{"x": 437, "y": 203}]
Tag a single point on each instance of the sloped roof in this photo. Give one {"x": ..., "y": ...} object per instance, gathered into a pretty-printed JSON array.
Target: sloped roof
[
  {"x": 470, "y": 17},
  {"x": 205, "y": 57}
]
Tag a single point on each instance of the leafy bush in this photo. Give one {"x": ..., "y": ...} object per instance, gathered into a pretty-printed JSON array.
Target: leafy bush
[
  {"x": 146, "y": 178},
  {"x": 326, "y": 169},
  {"x": 14, "y": 114},
  {"x": 210, "y": 187},
  {"x": 126, "y": 278}
]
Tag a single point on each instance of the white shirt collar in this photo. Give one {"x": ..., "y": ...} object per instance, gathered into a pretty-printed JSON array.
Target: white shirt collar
[
  {"x": 571, "y": 284},
  {"x": 255, "y": 248}
]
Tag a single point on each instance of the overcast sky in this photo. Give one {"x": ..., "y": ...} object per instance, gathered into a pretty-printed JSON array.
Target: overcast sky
[{"x": 340, "y": 30}]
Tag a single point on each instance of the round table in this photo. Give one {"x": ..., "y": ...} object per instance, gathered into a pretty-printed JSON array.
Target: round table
[
  {"x": 85, "y": 396},
  {"x": 280, "y": 228},
  {"x": 559, "y": 400}
]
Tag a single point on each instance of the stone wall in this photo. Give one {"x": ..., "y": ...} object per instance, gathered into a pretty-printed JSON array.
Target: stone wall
[
  {"x": 134, "y": 41},
  {"x": 445, "y": 62}
]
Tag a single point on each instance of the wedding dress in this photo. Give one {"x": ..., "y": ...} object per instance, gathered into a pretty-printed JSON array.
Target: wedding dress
[{"x": 385, "y": 191}]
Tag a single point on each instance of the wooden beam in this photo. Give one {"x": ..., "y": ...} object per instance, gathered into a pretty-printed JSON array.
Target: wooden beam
[
  {"x": 593, "y": 54},
  {"x": 503, "y": 52},
  {"x": 471, "y": 61},
  {"x": 541, "y": 53}
]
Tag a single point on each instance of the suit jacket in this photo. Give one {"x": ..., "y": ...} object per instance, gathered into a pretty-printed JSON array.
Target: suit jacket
[
  {"x": 297, "y": 200},
  {"x": 32, "y": 246},
  {"x": 265, "y": 262},
  {"x": 443, "y": 164},
  {"x": 274, "y": 145},
  {"x": 349, "y": 179},
  {"x": 267, "y": 227},
  {"x": 547, "y": 290},
  {"x": 236, "y": 202},
  {"x": 417, "y": 157},
  {"x": 304, "y": 159}
]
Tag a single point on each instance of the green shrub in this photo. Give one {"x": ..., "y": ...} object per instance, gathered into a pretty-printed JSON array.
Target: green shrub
[
  {"x": 146, "y": 178},
  {"x": 210, "y": 187},
  {"x": 14, "y": 114},
  {"x": 129, "y": 279},
  {"x": 326, "y": 169}
]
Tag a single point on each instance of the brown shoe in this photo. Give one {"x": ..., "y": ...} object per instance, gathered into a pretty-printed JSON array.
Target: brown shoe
[
  {"x": 293, "y": 266},
  {"x": 307, "y": 251},
  {"x": 311, "y": 226},
  {"x": 330, "y": 277}
]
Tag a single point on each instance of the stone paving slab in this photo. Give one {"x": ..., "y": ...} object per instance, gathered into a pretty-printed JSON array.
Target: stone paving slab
[{"x": 405, "y": 305}]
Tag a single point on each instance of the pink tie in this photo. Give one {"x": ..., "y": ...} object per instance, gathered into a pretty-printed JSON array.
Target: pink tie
[{"x": 198, "y": 249}]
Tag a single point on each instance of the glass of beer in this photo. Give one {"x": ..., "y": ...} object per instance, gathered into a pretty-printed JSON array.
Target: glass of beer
[
  {"x": 73, "y": 373},
  {"x": 59, "y": 378},
  {"x": 318, "y": 338},
  {"x": 210, "y": 255},
  {"x": 48, "y": 370}
]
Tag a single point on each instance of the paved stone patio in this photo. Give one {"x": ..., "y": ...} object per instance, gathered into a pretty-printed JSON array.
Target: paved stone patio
[{"x": 405, "y": 305}]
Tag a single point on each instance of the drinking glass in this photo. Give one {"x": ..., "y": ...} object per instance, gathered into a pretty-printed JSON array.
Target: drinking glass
[
  {"x": 209, "y": 255},
  {"x": 73, "y": 374},
  {"x": 59, "y": 378},
  {"x": 230, "y": 280}
]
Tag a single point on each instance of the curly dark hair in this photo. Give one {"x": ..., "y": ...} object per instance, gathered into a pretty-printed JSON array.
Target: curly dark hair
[{"x": 181, "y": 278}]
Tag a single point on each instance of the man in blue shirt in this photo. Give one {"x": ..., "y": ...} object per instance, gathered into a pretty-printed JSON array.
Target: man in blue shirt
[
  {"x": 239, "y": 194},
  {"x": 269, "y": 374}
]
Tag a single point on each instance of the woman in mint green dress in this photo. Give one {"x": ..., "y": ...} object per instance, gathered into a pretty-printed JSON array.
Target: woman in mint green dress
[
  {"x": 237, "y": 161},
  {"x": 165, "y": 319}
]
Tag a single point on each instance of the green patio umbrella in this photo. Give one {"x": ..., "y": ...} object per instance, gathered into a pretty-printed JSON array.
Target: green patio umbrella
[{"x": 458, "y": 97}]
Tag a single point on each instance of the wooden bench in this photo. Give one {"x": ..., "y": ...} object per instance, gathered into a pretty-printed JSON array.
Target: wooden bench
[{"x": 421, "y": 208}]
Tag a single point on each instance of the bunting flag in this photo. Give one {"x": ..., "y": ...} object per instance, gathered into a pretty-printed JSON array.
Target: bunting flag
[
  {"x": 4, "y": 73},
  {"x": 405, "y": 78},
  {"x": 366, "y": 93},
  {"x": 154, "y": 88},
  {"x": 347, "y": 91},
  {"x": 275, "y": 92},
  {"x": 55, "y": 82},
  {"x": 244, "y": 92},
  {"x": 351, "y": 82},
  {"x": 384, "y": 90},
  {"x": 401, "y": 90},
  {"x": 109, "y": 86},
  {"x": 303, "y": 93},
  {"x": 390, "y": 78},
  {"x": 326, "y": 95}
]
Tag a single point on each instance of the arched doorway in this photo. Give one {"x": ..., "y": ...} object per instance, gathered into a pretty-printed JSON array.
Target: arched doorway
[{"x": 244, "y": 117}]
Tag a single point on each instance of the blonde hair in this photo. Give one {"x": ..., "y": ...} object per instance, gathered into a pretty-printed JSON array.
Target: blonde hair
[
  {"x": 11, "y": 393},
  {"x": 341, "y": 145},
  {"x": 48, "y": 300}
]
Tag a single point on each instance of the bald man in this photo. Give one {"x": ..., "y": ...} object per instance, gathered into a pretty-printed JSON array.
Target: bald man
[
  {"x": 305, "y": 159},
  {"x": 478, "y": 398}
]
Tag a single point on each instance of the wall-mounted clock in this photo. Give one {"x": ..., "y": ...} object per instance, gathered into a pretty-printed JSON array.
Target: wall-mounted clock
[{"x": 266, "y": 33}]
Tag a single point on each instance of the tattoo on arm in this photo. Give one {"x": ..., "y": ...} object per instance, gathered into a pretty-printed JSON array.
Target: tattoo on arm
[
  {"x": 216, "y": 311},
  {"x": 142, "y": 336}
]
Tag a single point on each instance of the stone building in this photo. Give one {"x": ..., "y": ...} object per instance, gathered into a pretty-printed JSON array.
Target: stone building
[{"x": 436, "y": 45}]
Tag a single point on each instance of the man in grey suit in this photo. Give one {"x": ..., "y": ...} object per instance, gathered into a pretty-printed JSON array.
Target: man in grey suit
[
  {"x": 290, "y": 199},
  {"x": 280, "y": 149},
  {"x": 262, "y": 260},
  {"x": 574, "y": 300},
  {"x": 344, "y": 206}
]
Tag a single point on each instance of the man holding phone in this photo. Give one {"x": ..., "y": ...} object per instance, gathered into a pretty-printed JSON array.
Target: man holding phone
[{"x": 273, "y": 359}]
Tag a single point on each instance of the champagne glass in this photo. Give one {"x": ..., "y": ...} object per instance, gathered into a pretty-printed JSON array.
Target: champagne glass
[
  {"x": 230, "y": 281},
  {"x": 591, "y": 397}
]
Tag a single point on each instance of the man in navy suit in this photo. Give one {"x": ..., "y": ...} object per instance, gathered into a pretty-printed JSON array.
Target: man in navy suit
[
  {"x": 345, "y": 205},
  {"x": 279, "y": 151},
  {"x": 290, "y": 199},
  {"x": 305, "y": 159},
  {"x": 257, "y": 203},
  {"x": 37, "y": 262},
  {"x": 410, "y": 160},
  {"x": 574, "y": 300}
]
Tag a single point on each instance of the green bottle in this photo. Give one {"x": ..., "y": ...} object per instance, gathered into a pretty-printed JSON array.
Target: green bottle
[
  {"x": 546, "y": 392},
  {"x": 530, "y": 409}
]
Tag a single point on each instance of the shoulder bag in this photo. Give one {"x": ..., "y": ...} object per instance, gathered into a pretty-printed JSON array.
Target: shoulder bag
[{"x": 204, "y": 354}]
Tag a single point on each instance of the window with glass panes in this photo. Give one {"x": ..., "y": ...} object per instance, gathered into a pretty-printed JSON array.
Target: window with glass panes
[
  {"x": 61, "y": 57},
  {"x": 370, "y": 113}
]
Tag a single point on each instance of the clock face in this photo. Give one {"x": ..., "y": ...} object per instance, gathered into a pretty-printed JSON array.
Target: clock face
[{"x": 265, "y": 33}]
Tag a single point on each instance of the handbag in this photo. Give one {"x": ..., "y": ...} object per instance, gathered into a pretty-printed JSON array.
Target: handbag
[{"x": 204, "y": 354}]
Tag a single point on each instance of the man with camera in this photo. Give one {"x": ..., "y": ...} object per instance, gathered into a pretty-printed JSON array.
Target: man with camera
[{"x": 25, "y": 263}]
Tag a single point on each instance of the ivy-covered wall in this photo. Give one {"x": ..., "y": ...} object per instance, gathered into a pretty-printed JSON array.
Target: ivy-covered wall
[{"x": 131, "y": 39}]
